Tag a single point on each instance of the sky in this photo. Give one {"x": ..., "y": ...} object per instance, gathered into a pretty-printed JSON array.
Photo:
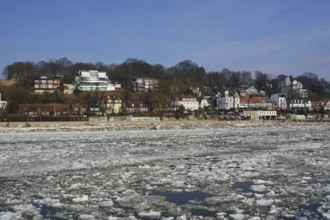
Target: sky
[{"x": 288, "y": 37}]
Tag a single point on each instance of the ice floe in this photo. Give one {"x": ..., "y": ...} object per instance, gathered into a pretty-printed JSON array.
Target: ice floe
[{"x": 230, "y": 172}]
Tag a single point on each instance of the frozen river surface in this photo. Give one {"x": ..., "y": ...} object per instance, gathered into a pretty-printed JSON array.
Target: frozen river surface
[{"x": 235, "y": 172}]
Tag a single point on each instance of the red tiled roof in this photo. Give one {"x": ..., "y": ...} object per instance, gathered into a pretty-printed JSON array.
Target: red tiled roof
[
  {"x": 244, "y": 100},
  {"x": 259, "y": 99}
]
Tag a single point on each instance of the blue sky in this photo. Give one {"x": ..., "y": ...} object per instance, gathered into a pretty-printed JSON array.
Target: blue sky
[{"x": 273, "y": 36}]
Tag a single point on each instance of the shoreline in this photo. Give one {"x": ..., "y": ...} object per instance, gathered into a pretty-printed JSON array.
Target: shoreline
[{"x": 141, "y": 125}]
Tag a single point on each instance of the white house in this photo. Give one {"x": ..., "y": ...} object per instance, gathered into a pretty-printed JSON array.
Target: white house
[
  {"x": 188, "y": 102},
  {"x": 252, "y": 91},
  {"x": 327, "y": 106},
  {"x": 299, "y": 90},
  {"x": 94, "y": 80},
  {"x": 280, "y": 100},
  {"x": 68, "y": 88},
  {"x": 300, "y": 103},
  {"x": 3, "y": 104},
  {"x": 225, "y": 101},
  {"x": 204, "y": 103},
  {"x": 145, "y": 84},
  {"x": 196, "y": 91},
  {"x": 293, "y": 88},
  {"x": 259, "y": 114}
]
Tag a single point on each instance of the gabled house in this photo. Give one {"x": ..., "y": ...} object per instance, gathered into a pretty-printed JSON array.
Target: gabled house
[
  {"x": 113, "y": 105},
  {"x": 251, "y": 91},
  {"x": 204, "y": 103},
  {"x": 242, "y": 92},
  {"x": 226, "y": 102}
]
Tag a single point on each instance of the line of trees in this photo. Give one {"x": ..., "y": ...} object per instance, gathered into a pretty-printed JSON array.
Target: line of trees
[{"x": 176, "y": 80}]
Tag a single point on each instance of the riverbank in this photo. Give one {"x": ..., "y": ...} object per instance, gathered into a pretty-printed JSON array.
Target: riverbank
[{"x": 133, "y": 125}]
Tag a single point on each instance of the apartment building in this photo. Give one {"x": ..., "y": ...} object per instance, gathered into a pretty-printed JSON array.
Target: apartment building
[{"x": 93, "y": 80}]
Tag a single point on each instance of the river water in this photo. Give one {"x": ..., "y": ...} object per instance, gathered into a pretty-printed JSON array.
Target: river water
[{"x": 234, "y": 172}]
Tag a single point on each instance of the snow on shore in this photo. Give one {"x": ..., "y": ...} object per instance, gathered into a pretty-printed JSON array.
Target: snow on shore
[{"x": 132, "y": 126}]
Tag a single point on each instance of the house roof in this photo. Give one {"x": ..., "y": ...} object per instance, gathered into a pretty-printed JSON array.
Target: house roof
[
  {"x": 259, "y": 99},
  {"x": 244, "y": 100}
]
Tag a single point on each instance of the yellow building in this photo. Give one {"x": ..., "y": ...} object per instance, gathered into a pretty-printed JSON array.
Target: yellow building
[{"x": 114, "y": 106}]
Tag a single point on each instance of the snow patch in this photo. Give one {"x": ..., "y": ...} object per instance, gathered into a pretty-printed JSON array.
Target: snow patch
[
  {"x": 238, "y": 216},
  {"x": 264, "y": 202},
  {"x": 150, "y": 214},
  {"x": 10, "y": 215},
  {"x": 259, "y": 188},
  {"x": 81, "y": 199}
]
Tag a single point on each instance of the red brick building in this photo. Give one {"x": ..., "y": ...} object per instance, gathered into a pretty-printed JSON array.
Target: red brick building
[{"x": 54, "y": 109}]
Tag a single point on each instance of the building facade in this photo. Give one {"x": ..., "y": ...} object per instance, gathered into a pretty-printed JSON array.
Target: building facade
[
  {"x": 259, "y": 115},
  {"x": 300, "y": 104},
  {"x": 251, "y": 91},
  {"x": 260, "y": 102},
  {"x": 145, "y": 84},
  {"x": 280, "y": 100},
  {"x": 293, "y": 89},
  {"x": 93, "y": 80},
  {"x": 54, "y": 109},
  {"x": 226, "y": 102},
  {"x": 113, "y": 105},
  {"x": 204, "y": 103},
  {"x": 44, "y": 84},
  {"x": 188, "y": 102},
  {"x": 3, "y": 104},
  {"x": 327, "y": 106},
  {"x": 135, "y": 107}
]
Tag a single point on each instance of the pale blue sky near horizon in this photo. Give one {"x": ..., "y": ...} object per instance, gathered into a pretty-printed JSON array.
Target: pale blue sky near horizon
[{"x": 273, "y": 36}]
